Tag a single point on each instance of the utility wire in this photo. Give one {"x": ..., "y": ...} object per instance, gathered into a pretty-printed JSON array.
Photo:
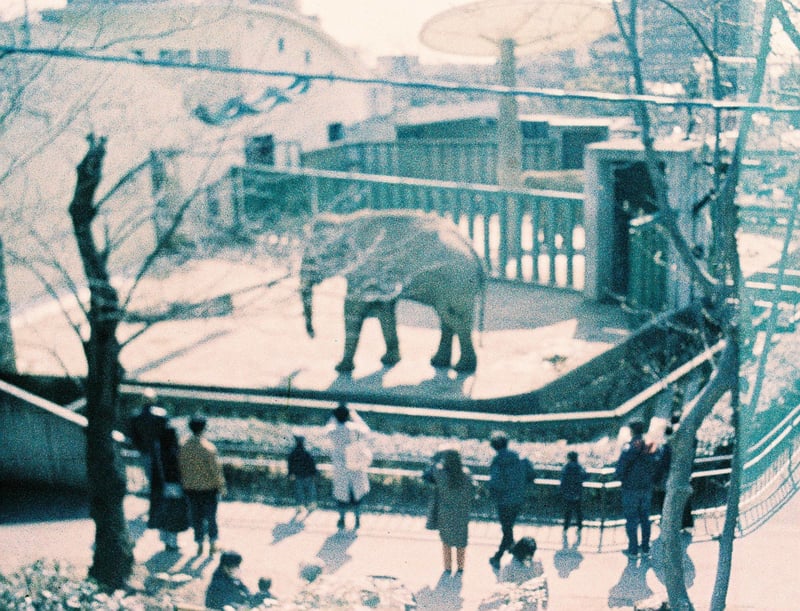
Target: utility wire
[{"x": 655, "y": 100}]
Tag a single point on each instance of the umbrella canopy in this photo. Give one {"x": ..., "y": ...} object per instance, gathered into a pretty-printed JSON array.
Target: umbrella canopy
[{"x": 535, "y": 26}]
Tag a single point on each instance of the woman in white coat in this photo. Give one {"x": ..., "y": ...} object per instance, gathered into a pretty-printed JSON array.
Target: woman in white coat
[{"x": 350, "y": 457}]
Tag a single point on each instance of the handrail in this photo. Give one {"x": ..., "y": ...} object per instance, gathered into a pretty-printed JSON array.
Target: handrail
[{"x": 416, "y": 182}]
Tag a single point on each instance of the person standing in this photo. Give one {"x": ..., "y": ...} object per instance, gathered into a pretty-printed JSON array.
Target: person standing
[
  {"x": 203, "y": 482},
  {"x": 571, "y": 488},
  {"x": 509, "y": 476},
  {"x": 636, "y": 469},
  {"x": 145, "y": 427},
  {"x": 303, "y": 472},
  {"x": 664, "y": 462},
  {"x": 455, "y": 492},
  {"x": 350, "y": 457},
  {"x": 169, "y": 512}
]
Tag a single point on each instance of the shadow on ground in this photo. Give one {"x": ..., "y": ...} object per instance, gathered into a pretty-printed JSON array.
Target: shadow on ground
[{"x": 24, "y": 505}]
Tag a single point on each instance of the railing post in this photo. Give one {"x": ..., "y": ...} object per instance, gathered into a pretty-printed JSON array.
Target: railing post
[{"x": 313, "y": 194}]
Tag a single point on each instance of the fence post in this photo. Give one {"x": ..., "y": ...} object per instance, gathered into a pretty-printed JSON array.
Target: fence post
[{"x": 313, "y": 194}]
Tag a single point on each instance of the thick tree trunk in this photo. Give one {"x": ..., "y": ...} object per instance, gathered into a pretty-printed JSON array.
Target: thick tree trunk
[
  {"x": 8, "y": 361},
  {"x": 113, "y": 552}
]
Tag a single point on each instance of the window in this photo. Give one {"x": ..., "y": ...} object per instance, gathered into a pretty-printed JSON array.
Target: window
[
  {"x": 214, "y": 57},
  {"x": 178, "y": 56}
]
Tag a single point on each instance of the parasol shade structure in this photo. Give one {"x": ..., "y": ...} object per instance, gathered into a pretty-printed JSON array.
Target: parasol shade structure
[
  {"x": 534, "y": 26},
  {"x": 504, "y": 29}
]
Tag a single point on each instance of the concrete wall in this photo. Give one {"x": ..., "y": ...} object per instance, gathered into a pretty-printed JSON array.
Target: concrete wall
[
  {"x": 681, "y": 165},
  {"x": 40, "y": 442}
]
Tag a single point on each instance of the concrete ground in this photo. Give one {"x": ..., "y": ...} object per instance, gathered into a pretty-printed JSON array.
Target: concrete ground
[
  {"x": 274, "y": 544},
  {"x": 531, "y": 336}
]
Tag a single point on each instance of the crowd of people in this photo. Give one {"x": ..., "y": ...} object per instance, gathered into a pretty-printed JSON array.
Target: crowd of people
[{"x": 186, "y": 482}]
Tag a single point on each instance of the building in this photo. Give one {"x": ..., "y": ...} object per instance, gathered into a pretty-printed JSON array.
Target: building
[{"x": 201, "y": 122}]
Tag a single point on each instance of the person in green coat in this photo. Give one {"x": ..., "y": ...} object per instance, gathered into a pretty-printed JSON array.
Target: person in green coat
[{"x": 455, "y": 492}]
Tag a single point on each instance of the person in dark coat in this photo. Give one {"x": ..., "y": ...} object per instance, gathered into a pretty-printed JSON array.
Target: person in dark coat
[
  {"x": 303, "y": 472},
  {"x": 145, "y": 427},
  {"x": 455, "y": 492},
  {"x": 509, "y": 476},
  {"x": 169, "y": 509},
  {"x": 636, "y": 469},
  {"x": 571, "y": 488},
  {"x": 227, "y": 589}
]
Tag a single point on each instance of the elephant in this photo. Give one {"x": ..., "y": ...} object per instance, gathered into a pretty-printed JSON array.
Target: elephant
[{"x": 387, "y": 255}]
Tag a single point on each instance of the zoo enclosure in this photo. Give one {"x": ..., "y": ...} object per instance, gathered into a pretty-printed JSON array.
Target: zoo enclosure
[{"x": 526, "y": 235}]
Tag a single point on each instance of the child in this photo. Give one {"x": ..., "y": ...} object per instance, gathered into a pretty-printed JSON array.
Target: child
[
  {"x": 303, "y": 471},
  {"x": 572, "y": 477}
]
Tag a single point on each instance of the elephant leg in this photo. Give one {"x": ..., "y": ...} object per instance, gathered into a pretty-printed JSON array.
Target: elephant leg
[
  {"x": 387, "y": 315},
  {"x": 445, "y": 351},
  {"x": 468, "y": 361},
  {"x": 353, "y": 321}
]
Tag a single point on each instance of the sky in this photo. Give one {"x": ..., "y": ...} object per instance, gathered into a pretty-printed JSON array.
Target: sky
[
  {"x": 382, "y": 27},
  {"x": 372, "y": 27}
]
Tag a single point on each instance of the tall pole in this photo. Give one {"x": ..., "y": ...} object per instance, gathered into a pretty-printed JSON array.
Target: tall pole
[{"x": 509, "y": 144}]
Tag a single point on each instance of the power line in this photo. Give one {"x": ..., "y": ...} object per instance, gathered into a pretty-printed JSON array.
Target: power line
[{"x": 443, "y": 86}]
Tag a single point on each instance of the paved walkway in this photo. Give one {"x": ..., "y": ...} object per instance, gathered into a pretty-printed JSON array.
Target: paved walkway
[{"x": 274, "y": 544}]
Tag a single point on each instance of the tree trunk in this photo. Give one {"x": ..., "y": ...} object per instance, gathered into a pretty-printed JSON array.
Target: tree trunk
[
  {"x": 8, "y": 361},
  {"x": 113, "y": 552}
]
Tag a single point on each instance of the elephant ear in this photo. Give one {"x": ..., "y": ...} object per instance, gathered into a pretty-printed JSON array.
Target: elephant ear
[
  {"x": 327, "y": 246},
  {"x": 372, "y": 271}
]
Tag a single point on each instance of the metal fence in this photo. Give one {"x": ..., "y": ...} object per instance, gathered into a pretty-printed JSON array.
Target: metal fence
[
  {"x": 532, "y": 236},
  {"x": 458, "y": 160}
]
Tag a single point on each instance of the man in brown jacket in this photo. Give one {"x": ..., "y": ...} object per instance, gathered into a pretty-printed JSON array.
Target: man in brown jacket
[{"x": 203, "y": 483}]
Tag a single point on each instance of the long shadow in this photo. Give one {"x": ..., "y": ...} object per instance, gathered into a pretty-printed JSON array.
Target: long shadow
[
  {"x": 568, "y": 558},
  {"x": 658, "y": 557},
  {"x": 446, "y": 594},
  {"x": 288, "y": 529},
  {"x": 26, "y": 505},
  {"x": 333, "y": 552},
  {"x": 632, "y": 585},
  {"x": 165, "y": 570}
]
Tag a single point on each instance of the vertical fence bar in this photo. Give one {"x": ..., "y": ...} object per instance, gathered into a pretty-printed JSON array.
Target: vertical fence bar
[
  {"x": 550, "y": 240},
  {"x": 503, "y": 221},
  {"x": 487, "y": 234},
  {"x": 569, "y": 241},
  {"x": 536, "y": 226}
]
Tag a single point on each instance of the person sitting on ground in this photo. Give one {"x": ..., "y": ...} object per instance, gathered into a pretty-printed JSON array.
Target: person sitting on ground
[{"x": 227, "y": 589}]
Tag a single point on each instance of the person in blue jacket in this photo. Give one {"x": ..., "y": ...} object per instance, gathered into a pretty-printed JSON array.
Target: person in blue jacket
[
  {"x": 509, "y": 476},
  {"x": 637, "y": 470}
]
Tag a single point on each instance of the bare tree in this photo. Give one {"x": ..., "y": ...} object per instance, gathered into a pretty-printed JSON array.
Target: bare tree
[
  {"x": 113, "y": 551},
  {"x": 720, "y": 283}
]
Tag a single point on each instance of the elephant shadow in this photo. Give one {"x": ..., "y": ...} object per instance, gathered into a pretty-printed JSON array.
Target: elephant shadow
[{"x": 444, "y": 383}]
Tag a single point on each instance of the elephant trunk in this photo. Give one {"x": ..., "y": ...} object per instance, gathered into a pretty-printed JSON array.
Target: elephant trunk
[{"x": 306, "y": 294}]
